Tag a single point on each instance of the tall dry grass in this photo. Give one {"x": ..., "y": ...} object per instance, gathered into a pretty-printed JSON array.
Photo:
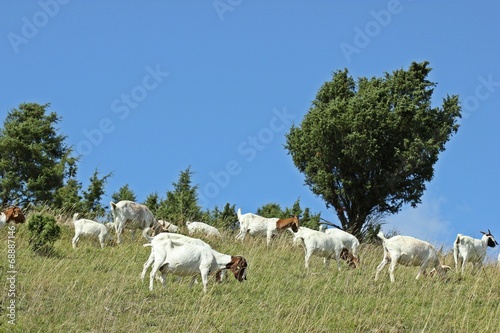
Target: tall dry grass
[{"x": 94, "y": 290}]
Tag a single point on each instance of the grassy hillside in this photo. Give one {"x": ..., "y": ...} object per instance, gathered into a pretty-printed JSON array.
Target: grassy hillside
[{"x": 94, "y": 290}]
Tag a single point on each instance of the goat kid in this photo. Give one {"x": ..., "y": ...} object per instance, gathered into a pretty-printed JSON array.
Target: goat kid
[
  {"x": 84, "y": 227},
  {"x": 467, "y": 249},
  {"x": 202, "y": 228},
  {"x": 253, "y": 224},
  {"x": 409, "y": 251}
]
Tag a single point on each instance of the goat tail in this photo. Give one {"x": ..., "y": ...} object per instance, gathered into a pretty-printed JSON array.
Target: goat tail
[
  {"x": 112, "y": 205},
  {"x": 456, "y": 244},
  {"x": 145, "y": 234},
  {"x": 381, "y": 236},
  {"x": 239, "y": 213},
  {"x": 298, "y": 240}
]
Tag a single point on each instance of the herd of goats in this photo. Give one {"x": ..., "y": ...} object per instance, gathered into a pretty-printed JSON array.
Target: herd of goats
[{"x": 172, "y": 252}]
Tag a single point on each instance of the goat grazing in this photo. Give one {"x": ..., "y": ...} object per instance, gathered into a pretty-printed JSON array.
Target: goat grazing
[
  {"x": 351, "y": 245},
  {"x": 467, "y": 249},
  {"x": 202, "y": 228},
  {"x": 187, "y": 259},
  {"x": 253, "y": 224},
  {"x": 409, "y": 251},
  {"x": 89, "y": 228},
  {"x": 168, "y": 227},
  {"x": 14, "y": 214},
  {"x": 319, "y": 244},
  {"x": 164, "y": 236},
  {"x": 129, "y": 214}
]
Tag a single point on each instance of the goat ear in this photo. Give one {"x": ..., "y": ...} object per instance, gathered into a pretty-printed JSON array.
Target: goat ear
[{"x": 483, "y": 232}]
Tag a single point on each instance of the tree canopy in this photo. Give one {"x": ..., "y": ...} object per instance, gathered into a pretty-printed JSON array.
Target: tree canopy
[
  {"x": 368, "y": 147},
  {"x": 34, "y": 155}
]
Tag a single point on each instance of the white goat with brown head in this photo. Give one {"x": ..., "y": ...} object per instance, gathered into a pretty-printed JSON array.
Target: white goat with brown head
[
  {"x": 253, "y": 224},
  {"x": 188, "y": 259}
]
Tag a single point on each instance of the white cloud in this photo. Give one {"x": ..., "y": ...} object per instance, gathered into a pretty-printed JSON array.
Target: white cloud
[{"x": 424, "y": 222}]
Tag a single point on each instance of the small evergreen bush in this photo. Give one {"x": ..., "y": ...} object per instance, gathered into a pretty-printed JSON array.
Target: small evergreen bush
[{"x": 44, "y": 231}]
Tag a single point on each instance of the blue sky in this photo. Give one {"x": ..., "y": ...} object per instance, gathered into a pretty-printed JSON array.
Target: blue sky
[{"x": 147, "y": 88}]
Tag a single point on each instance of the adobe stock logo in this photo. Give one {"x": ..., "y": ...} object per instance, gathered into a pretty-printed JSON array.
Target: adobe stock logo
[
  {"x": 121, "y": 107},
  {"x": 248, "y": 151},
  {"x": 223, "y": 6},
  {"x": 482, "y": 92},
  {"x": 373, "y": 28},
  {"x": 30, "y": 27}
]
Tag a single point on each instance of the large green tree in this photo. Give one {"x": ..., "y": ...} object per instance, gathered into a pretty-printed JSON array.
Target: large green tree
[
  {"x": 34, "y": 156},
  {"x": 367, "y": 147}
]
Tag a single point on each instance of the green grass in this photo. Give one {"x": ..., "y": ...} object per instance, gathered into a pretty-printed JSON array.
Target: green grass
[{"x": 94, "y": 290}]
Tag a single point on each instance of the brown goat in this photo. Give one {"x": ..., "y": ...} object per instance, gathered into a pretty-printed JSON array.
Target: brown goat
[{"x": 15, "y": 214}]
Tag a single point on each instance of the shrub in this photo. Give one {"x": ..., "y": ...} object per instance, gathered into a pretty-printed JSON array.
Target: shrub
[{"x": 44, "y": 231}]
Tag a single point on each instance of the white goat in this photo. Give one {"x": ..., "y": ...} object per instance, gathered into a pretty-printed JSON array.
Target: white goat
[
  {"x": 351, "y": 244},
  {"x": 169, "y": 227},
  {"x": 129, "y": 214},
  {"x": 408, "y": 251},
  {"x": 84, "y": 227},
  {"x": 320, "y": 244},
  {"x": 3, "y": 219},
  {"x": 202, "y": 228},
  {"x": 186, "y": 259},
  {"x": 467, "y": 249},
  {"x": 110, "y": 225},
  {"x": 182, "y": 259},
  {"x": 164, "y": 236},
  {"x": 253, "y": 224}
]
